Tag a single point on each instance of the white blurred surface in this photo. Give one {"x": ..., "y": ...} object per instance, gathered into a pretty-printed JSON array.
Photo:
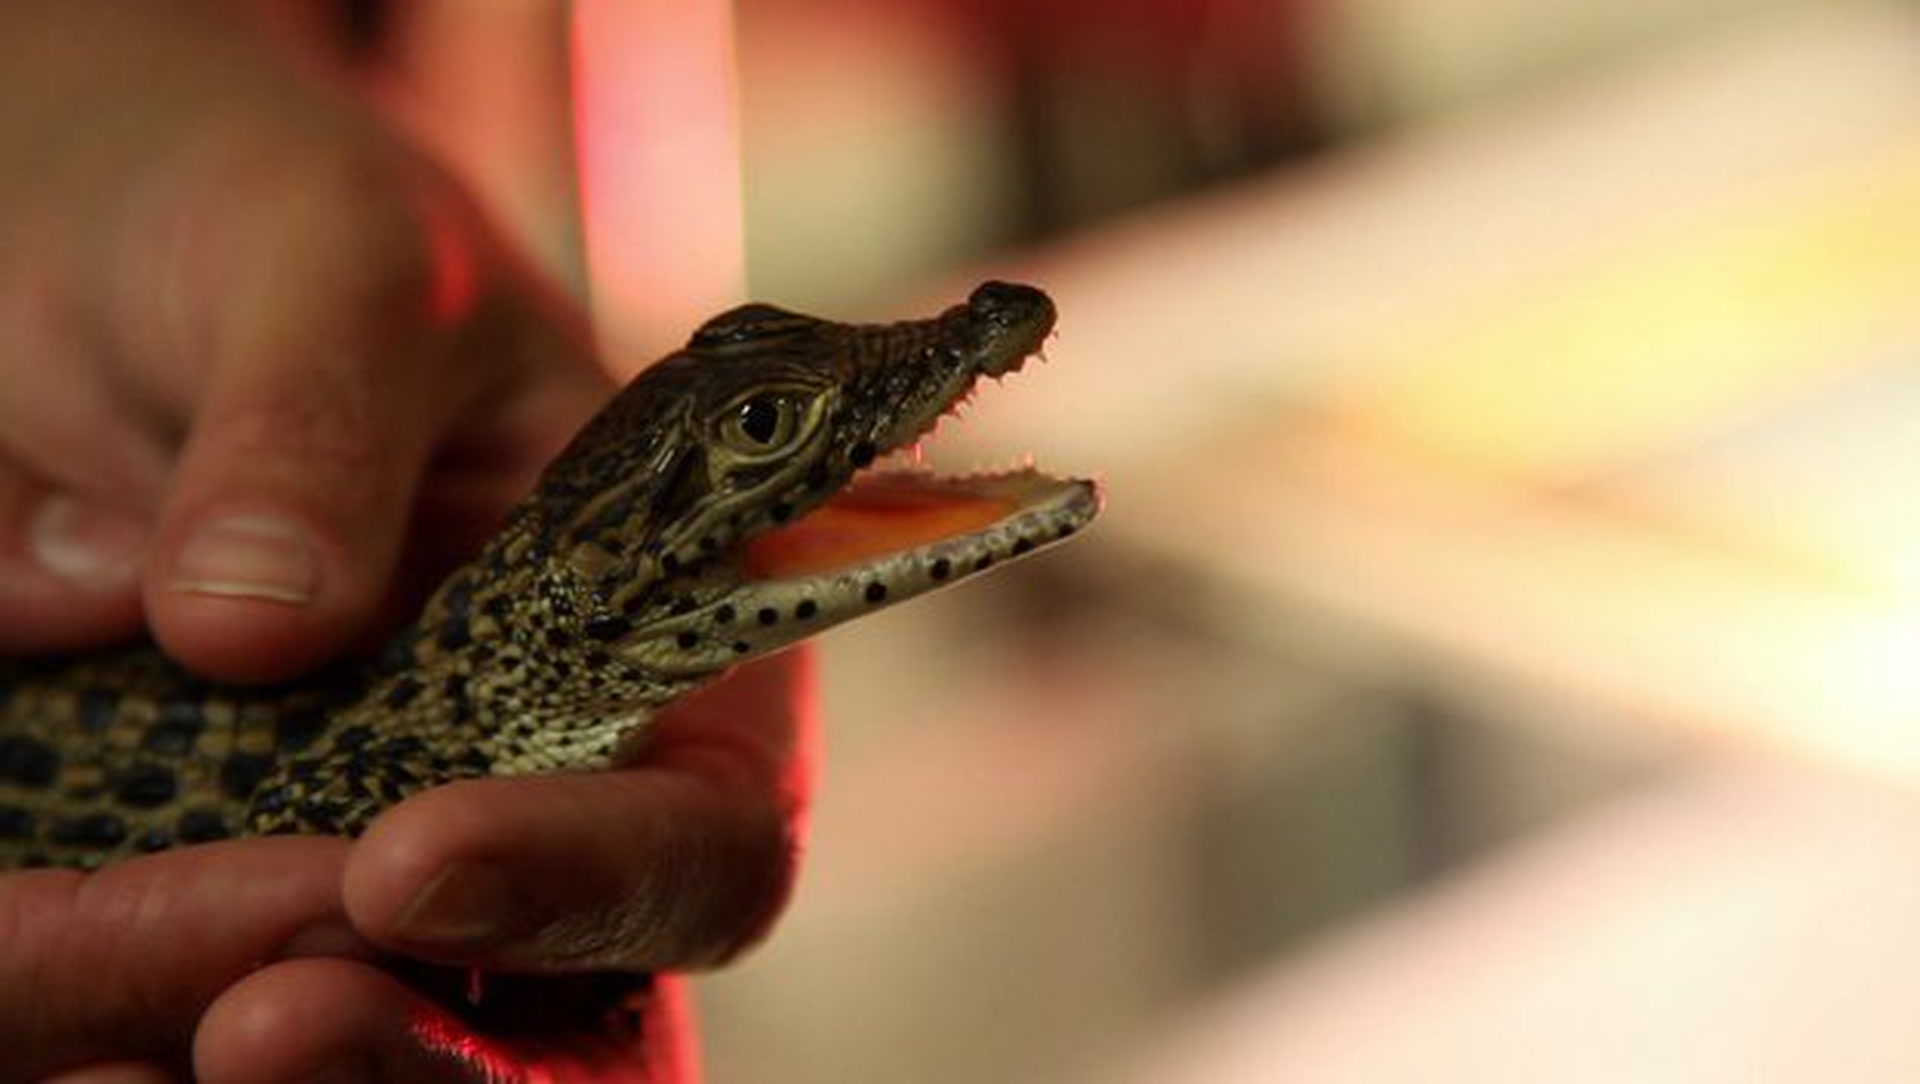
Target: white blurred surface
[
  {"x": 1745, "y": 924},
  {"x": 1599, "y": 393}
]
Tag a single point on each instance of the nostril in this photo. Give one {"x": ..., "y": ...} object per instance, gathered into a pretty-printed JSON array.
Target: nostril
[{"x": 1001, "y": 323}]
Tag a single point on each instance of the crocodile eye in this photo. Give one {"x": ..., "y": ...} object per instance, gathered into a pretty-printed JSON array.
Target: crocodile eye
[
  {"x": 760, "y": 419},
  {"x": 761, "y": 424}
]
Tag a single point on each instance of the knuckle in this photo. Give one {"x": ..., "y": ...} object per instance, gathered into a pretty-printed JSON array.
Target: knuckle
[
  {"x": 359, "y": 224},
  {"x": 335, "y": 428},
  {"x": 345, "y": 228},
  {"x": 700, "y": 897}
]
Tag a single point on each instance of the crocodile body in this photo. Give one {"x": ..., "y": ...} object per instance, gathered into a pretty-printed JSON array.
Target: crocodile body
[{"x": 627, "y": 578}]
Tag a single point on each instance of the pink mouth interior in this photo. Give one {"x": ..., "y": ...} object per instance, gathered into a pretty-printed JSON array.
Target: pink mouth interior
[{"x": 876, "y": 516}]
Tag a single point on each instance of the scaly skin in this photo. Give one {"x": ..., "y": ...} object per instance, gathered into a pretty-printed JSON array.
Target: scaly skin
[{"x": 624, "y": 581}]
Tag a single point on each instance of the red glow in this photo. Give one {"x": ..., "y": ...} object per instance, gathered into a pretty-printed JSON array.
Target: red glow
[
  {"x": 455, "y": 279},
  {"x": 445, "y": 1037},
  {"x": 669, "y": 1045},
  {"x": 664, "y": 1052},
  {"x": 659, "y": 166},
  {"x": 803, "y": 768}
]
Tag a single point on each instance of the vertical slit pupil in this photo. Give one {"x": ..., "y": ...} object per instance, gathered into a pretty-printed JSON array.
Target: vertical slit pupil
[{"x": 760, "y": 418}]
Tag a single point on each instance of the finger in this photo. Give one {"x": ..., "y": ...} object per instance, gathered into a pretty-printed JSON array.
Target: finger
[
  {"x": 120, "y": 963},
  {"x": 69, "y": 567},
  {"x": 66, "y": 415},
  {"x": 330, "y": 381},
  {"x": 339, "y": 1020},
  {"x": 332, "y": 1020},
  {"x": 678, "y": 861},
  {"x": 80, "y": 472}
]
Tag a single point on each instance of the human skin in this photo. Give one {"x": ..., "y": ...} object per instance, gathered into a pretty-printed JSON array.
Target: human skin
[{"x": 248, "y": 336}]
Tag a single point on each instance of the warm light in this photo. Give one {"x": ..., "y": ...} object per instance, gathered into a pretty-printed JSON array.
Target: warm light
[
  {"x": 1665, "y": 339},
  {"x": 1862, "y": 693},
  {"x": 441, "y": 1035},
  {"x": 654, "y": 101},
  {"x": 1715, "y": 419}
]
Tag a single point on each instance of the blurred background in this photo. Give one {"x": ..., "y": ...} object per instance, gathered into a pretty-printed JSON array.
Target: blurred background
[{"x": 1500, "y": 657}]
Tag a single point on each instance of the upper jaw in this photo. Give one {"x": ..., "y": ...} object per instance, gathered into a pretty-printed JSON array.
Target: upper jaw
[
  {"x": 885, "y": 522},
  {"x": 991, "y": 334}
]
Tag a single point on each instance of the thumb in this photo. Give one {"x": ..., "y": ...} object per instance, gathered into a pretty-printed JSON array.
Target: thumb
[
  {"x": 283, "y": 527},
  {"x": 329, "y": 384}
]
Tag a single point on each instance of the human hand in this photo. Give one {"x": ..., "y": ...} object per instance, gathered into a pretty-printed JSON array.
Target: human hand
[
  {"x": 246, "y": 337},
  {"x": 240, "y": 962}
]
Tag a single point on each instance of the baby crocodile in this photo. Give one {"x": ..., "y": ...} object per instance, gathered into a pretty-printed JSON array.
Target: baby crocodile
[{"x": 719, "y": 508}]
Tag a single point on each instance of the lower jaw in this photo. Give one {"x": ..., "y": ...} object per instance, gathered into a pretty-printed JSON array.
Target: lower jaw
[{"x": 883, "y": 514}]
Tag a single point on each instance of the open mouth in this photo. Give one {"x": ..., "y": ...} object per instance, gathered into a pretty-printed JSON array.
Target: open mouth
[
  {"x": 905, "y": 518},
  {"x": 894, "y": 530},
  {"x": 897, "y": 525}
]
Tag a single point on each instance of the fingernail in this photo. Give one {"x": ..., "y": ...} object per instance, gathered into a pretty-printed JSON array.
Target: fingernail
[
  {"x": 466, "y": 906},
  {"x": 96, "y": 546},
  {"x": 249, "y": 556}
]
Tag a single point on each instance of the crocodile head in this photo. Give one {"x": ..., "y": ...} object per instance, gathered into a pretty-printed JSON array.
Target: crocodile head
[
  {"x": 747, "y": 512},
  {"x": 725, "y": 504}
]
